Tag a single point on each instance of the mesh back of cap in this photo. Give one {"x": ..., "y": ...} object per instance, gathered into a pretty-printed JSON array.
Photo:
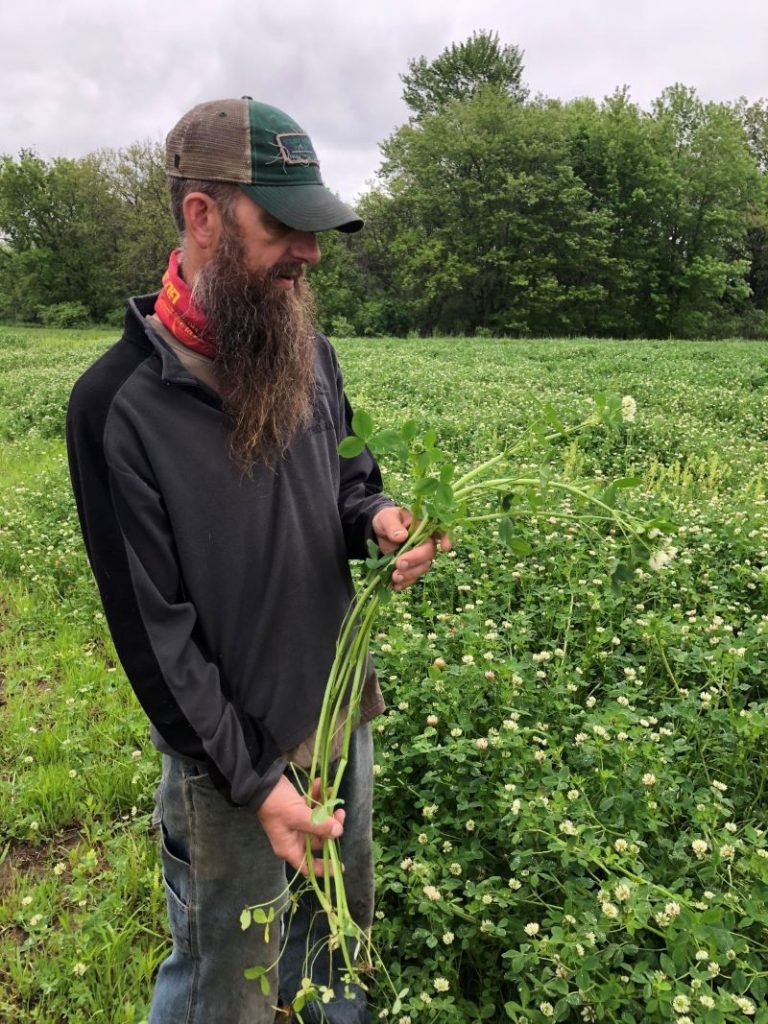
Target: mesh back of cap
[{"x": 211, "y": 142}]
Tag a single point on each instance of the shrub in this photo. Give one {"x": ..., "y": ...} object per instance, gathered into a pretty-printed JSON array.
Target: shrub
[
  {"x": 64, "y": 314},
  {"x": 342, "y": 328}
]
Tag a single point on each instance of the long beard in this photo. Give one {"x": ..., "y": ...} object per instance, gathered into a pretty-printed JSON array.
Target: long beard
[{"x": 265, "y": 349}]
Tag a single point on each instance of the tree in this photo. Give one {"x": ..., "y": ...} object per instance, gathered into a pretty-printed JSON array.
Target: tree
[
  {"x": 711, "y": 186},
  {"x": 460, "y": 70},
  {"x": 137, "y": 178},
  {"x": 59, "y": 221},
  {"x": 488, "y": 225}
]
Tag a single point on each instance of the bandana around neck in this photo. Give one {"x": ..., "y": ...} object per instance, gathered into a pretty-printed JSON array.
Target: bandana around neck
[{"x": 176, "y": 310}]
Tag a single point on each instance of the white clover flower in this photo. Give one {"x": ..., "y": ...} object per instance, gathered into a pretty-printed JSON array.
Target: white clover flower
[
  {"x": 470, "y": 825},
  {"x": 727, "y": 852},
  {"x": 60, "y": 868},
  {"x": 79, "y": 969},
  {"x": 432, "y": 719},
  {"x": 532, "y": 928},
  {"x": 547, "y": 1009},
  {"x": 622, "y": 892},
  {"x": 661, "y": 557},
  {"x": 649, "y": 779},
  {"x": 439, "y": 663},
  {"x": 746, "y": 1006},
  {"x": 568, "y": 828},
  {"x": 448, "y": 938},
  {"x": 621, "y": 846},
  {"x": 515, "y": 883},
  {"x": 422, "y": 838},
  {"x": 431, "y": 893},
  {"x": 441, "y": 985},
  {"x": 467, "y": 659},
  {"x": 456, "y": 733},
  {"x": 455, "y": 868},
  {"x": 719, "y": 786},
  {"x": 707, "y": 1002},
  {"x": 609, "y": 909},
  {"x": 540, "y": 756},
  {"x": 430, "y": 810},
  {"x": 700, "y": 848},
  {"x": 406, "y": 864},
  {"x": 26, "y": 900},
  {"x": 482, "y": 743},
  {"x": 35, "y": 920},
  {"x": 672, "y": 910},
  {"x": 681, "y": 1004},
  {"x": 713, "y": 968},
  {"x": 628, "y": 409}
]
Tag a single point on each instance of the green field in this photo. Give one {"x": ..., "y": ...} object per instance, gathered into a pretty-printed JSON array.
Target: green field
[{"x": 571, "y": 804}]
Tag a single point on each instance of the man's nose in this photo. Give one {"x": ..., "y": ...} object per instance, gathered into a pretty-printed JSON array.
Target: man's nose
[{"x": 305, "y": 247}]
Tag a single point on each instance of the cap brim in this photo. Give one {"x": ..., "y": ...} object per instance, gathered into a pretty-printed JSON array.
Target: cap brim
[{"x": 305, "y": 207}]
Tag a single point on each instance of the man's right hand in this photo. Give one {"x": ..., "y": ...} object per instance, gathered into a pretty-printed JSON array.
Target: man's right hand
[{"x": 287, "y": 820}]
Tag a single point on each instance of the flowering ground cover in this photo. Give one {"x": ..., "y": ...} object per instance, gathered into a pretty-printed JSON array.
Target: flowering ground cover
[{"x": 571, "y": 777}]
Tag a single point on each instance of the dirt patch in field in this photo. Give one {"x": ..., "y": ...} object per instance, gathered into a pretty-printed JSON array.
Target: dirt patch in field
[
  {"x": 24, "y": 858},
  {"x": 21, "y": 859}
]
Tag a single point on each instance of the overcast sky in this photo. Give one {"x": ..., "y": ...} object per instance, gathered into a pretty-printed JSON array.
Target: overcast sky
[{"x": 88, "y": 74}]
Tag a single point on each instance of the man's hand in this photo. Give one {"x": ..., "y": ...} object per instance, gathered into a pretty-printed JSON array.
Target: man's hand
[
  {"x": 287, "y": 820},
  {"x": 390, "y": 525}
]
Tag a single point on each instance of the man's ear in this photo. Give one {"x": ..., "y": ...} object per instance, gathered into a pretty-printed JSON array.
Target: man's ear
[{"x": 202, "y": 221}]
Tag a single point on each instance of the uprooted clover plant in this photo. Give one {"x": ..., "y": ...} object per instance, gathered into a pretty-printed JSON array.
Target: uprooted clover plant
[{"x": 443, "y": 501}]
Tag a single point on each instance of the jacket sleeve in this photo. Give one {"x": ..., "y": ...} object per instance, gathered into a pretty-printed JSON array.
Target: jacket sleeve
[
  {"x": 360, "y": 487},
  {"x": 154, "y": 626}
]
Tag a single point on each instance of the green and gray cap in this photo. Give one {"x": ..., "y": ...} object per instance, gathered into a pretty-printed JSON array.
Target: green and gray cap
[{"x": 266, "y": 153}]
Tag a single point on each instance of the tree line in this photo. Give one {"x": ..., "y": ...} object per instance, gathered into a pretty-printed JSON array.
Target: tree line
[{"x": 494, "y": 213}]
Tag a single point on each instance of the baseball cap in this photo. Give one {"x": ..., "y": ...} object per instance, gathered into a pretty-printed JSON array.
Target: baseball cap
[{"x": 266, "y": 153}]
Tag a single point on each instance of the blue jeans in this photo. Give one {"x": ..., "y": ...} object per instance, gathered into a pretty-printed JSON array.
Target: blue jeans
[{"x": 216, "y": 860}]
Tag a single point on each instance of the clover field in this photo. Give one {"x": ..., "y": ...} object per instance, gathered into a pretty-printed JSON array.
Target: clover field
[{"x": 571, "y": 788}]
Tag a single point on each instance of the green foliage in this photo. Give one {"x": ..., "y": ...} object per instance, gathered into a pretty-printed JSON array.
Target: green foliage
[
  {"x": 64, "y": 315},
  {"x": 460, "y": 71},
  {"x": 90, "y": 231}
]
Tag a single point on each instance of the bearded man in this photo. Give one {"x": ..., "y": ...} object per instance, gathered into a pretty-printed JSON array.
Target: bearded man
[{"x": 219, "y": 521}]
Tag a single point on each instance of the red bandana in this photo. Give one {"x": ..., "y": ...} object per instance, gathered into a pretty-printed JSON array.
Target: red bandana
[{"x": 176, "y": 310}]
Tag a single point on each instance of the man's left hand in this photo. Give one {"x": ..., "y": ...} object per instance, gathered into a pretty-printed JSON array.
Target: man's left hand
[{"x": 390, "y": 526}]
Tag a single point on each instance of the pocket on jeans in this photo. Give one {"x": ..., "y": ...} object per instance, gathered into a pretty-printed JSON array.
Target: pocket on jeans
[{"x": 176, "y": 876}]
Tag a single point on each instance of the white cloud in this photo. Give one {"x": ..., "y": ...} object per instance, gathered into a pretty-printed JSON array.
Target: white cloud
[{"x": 88, "y": 75}]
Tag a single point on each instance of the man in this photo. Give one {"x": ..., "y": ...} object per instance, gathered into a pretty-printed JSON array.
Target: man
[{"x": 219, "y": 521}]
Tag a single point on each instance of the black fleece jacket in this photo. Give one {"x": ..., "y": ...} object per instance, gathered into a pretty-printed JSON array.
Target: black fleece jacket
[{"x": 223, "y": 593}]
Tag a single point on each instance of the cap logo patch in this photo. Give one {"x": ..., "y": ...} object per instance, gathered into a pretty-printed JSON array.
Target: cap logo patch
[{"x": 296, "y": 148}]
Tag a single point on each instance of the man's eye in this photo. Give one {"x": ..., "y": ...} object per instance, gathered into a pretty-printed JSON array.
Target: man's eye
[{"x": 277, "y": 226}]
